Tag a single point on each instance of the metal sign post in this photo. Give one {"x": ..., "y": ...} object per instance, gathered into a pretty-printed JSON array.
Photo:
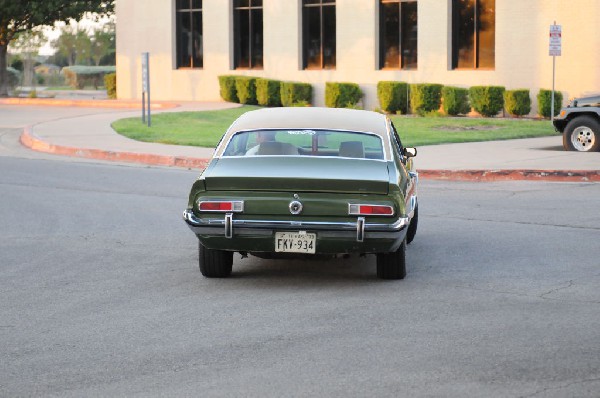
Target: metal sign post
[
  {"x": 146, "y": 88},
  {"x": 555, "y": 51}
]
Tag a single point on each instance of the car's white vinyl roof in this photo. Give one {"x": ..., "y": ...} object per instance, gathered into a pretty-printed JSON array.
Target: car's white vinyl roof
[{"x": 312, "y": 118}]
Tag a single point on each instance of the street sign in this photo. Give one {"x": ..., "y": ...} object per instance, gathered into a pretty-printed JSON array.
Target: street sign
[{"x": 555, "y": 40}]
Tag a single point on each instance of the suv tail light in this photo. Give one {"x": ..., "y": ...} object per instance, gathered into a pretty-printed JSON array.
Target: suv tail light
[
  {"x": 370, "y": 210},
  {"x": 222, "y": 206}
]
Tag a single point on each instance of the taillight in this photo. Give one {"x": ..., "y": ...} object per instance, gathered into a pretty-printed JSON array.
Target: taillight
[
  {"x": 232, "y": 206},
  {"x": 370, "y": 210}
]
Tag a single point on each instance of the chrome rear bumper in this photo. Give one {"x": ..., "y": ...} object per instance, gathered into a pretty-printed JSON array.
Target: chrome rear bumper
[{"x": 227, "y": 227}]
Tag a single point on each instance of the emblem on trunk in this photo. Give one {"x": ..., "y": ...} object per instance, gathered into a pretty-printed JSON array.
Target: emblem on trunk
[{"x": 295, "y": 207}]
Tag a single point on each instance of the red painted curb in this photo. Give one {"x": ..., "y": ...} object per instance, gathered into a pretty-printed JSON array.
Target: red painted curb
[
  {"x": 512, "y": 175},
  {"x": 107, "y": 103},
  {"x": 31, "y": 141}
]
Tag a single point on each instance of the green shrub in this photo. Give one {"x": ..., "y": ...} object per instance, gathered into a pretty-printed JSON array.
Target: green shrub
[
  {"x": 246, "y": 89},
  {"x": 79, "y": 76},
  {"x": 227, "y": 88},
  {"x": 517, "y": 102},
  {"x": 293, "y": 93},
  {"x": 268, "y": 92},
  {"x": 342, "y": 95},
  {"x": 425, "y": 97},
  {"x": 455, "y": 100},
  {"x": 393, "y": 96},
  {"x": 544, "y": 98},
  {"x": 110, "y": 82},
  {"x": 487, "y": 100}
]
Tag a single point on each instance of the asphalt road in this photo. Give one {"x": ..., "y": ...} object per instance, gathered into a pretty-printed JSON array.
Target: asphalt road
[{"x": 100, "y": 295}]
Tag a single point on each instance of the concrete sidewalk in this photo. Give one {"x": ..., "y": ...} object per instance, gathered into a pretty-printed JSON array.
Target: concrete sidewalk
[{"x": 86, "y": 132}]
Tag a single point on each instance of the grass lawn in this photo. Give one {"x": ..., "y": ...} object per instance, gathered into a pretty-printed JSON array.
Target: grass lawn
[{"x": 206, "y": 128}]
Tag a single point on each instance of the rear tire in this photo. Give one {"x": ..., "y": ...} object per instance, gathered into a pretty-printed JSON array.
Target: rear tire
[
  {"x": 412, "y": 228},
  {"x": 582, "y": 134},
  {"x": 214, "y": 263},
  {"x": 392, "y": 265}
]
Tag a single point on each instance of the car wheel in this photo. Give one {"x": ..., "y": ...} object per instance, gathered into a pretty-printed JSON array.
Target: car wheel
[
  {"x": 392, "y": 265},
  {"x": 214, "y": 263},
  {"x": 582, "y": 134},
  {"x": 412, "y": 228}
]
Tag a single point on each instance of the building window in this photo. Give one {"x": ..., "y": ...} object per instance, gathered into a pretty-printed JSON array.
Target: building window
[
  {"x": 189, "y": 33},
  {"x": 248, "y": 34},
  {"x": 318, "y": 39},
  {"x": 398, "y": 34},
  {"x": 473, "y": 34}
]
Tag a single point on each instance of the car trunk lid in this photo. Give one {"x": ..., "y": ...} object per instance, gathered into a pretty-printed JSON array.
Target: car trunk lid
[{"x": 298, "y": 174}]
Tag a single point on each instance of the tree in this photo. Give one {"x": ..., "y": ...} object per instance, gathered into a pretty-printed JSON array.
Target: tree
[
  {"x": 28, "y": 44},
  {"x": 103, "y": 43},
  {"x": 74, "y": 44},
  {"x": 22, "y": 16}
]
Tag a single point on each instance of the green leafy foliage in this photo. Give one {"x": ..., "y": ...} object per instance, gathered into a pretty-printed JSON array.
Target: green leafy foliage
[
  {"x": 455, "y": 100},
  {"x": 293, "y": 93},
  {"x": 517, "y": 102},
  {"x": 110, "y": 82},
  {"x": 22, "y": 16},
  {"x": 245, "y": 87},
  {"x": 544, "y": 99},
  {"x": 268, "y": 92},
  {"x": 425, "y": 97},
  {"x": 393, "y": 96},
  {"x": 487, "y": 100},
  {"x": 227, "y": 88},
  {"x": 14, "y": 77},
  {"x": 342, "y": 95}
]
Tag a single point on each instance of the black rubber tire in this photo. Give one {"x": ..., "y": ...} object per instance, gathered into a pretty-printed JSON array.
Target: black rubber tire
[
  {"x": 214, "y": 263},
  {"x": 392, "y": 265},
  {"x": 412, "y": 228},
  {"x": 580, "y": 121}
]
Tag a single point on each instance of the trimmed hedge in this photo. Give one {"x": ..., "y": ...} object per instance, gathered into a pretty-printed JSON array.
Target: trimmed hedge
[
  {"x": 517, "y": 102},
  {"x": 455, "y": 100},
  {"x": 227, "y": 88},
  {"x": 268, "y": 92},
  {"x": 293, "y": 93},
  {"x": 79, "y": 76},
  {"x": 487, "y": 100},
  {"x": 393, "y": 96},
  {"x": 425, "y": 97},
  {"x": 246, "y": 89},
  {"x": 544, "y": 99},
  {"x": 110, "y": 82},
  {"x": 342, "y": 95}
]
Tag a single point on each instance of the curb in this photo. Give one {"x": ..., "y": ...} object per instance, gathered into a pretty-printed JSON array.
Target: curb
[
  {"x": 512, "y": 175},
  {"x": 31, "y": 141},
  {"x": 95, "y": 103}
]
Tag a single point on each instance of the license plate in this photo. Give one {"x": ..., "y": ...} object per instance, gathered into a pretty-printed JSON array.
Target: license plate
[{"x": 295, "y": 242}]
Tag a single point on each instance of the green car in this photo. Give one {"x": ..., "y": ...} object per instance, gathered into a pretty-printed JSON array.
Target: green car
[{"x": 287, "y": 182}]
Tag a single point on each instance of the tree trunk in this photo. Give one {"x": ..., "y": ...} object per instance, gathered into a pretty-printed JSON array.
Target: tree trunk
[{"x": 3, "y": 71}]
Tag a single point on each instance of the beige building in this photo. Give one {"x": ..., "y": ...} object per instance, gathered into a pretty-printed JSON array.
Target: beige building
[{"x": 453, "y": 42}]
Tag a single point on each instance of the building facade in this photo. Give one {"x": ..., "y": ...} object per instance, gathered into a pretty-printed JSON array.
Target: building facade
[{"x": 453, "y": 42}]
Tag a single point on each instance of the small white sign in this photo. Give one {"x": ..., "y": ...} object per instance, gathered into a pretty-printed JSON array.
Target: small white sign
[{"x": 555, "y": 47}]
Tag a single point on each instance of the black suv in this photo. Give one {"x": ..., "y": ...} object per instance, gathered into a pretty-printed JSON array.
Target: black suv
[{"x": 579, "y": 123}]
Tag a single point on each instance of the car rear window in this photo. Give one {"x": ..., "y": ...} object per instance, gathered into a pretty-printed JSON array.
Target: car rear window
[{"x": 347, "y": 144}]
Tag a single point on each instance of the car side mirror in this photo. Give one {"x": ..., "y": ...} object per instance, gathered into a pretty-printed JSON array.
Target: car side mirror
[{"x": 410, "y": 152}]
